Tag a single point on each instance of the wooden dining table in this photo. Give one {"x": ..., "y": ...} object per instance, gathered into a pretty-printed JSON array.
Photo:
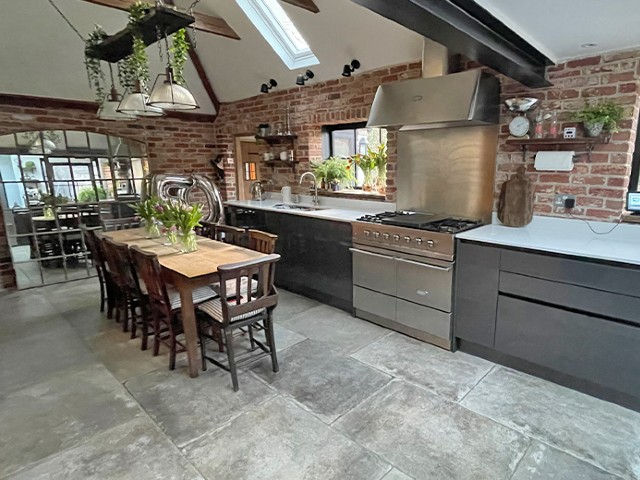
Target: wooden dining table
[{"x": 186, "y": 272}]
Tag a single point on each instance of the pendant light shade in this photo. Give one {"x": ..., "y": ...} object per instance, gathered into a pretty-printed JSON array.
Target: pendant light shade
[
  {"x": 168, "y": 95},
  {"x": 39, "y": 146},
  {"x": 109, "y": 108},
  {"x": 136, "y": 103}
]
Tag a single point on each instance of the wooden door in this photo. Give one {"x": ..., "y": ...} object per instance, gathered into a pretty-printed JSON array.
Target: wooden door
[{"x": 247, "y": 171}]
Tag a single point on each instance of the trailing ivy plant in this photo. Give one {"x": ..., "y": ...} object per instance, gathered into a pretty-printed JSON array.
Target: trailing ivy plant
[
  {"x": 135, "y": 66},
  {"x": 94, "y": 65},
  {"x": 178, "y": 55}
]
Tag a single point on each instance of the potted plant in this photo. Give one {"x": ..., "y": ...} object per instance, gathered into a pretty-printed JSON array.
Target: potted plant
[
  {"x": 88, "y": 194},
  {"x": 602, "y": 116},
  {"x": 334, "y": 172},
  {"x": 29, "y": 167},
  {"x": 367, "y": 164},
  {"x": 133, "y": 71},
  {"x": 186, "y": 218},
  {"x": 94, "y": 65},
  {"x": 51, "y": 202},
  {"x": 149, "y": 210}
]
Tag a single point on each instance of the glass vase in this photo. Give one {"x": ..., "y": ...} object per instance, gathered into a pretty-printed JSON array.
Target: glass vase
[
  {"x": 368, "y": 181},
  {"x": 152, "y": 228},
  {"x": 188, "y": 242},
  {"x": 172, "y": 237},
  {"x": 381, "y": 184}
]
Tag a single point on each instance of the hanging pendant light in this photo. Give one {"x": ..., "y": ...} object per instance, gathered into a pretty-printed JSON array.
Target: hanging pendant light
[
  {"x": 109, "y": 108},
  {"x": 169, "y": 95},
  {"x": 135, "y": 103},
  {"x": 41, "y": 145}
]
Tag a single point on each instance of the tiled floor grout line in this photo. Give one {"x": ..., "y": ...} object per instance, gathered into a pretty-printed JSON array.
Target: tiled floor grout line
[
  {"x": 389, "y": 333},
  {"x": 522, "y": 457},
  {"x": 477, "y": 383}
]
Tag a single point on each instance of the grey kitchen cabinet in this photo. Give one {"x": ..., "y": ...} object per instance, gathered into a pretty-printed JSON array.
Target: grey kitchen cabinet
[
  {"x": 476, "y": 292},
  {"x": 572, "y": 320},
  {"x": 316, "y": 261}
]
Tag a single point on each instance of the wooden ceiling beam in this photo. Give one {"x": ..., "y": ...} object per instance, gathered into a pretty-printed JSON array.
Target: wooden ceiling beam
[
  {"x": 306, "y": 4},
  {"x": 204, "y": 23}
]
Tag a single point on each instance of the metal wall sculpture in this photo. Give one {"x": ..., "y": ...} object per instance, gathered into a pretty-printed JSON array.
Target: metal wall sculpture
[{"x": 178, "y": 186}]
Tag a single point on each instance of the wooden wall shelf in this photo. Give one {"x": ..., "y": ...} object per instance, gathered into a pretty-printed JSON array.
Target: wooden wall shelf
[
  {"x": 283, "y": 163},
  {"x": 581, "y": 143},
  {"x": 277, "y": 139}
]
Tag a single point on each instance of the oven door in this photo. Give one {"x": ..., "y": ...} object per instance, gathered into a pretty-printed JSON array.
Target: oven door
[
  {"x": 425, "y": 283},
  {"x": 374, "y": 271}
]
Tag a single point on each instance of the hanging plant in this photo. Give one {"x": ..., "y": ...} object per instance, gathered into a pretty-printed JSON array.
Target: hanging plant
[
  {"x": 135, "y": 66},
  {"x": 94, "y": 65},
  {"x": 178, "y": 55}
]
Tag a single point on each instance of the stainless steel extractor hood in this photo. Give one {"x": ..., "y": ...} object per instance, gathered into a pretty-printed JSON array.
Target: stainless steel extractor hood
[{"x": 459, "y": 99}]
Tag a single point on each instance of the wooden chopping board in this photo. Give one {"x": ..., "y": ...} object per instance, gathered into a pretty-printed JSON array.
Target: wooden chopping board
[{"x": 515, "y": 208}]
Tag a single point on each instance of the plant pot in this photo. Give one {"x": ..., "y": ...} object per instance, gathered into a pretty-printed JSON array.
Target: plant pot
[
  {"x": 593, "y": 129},
  {"x": 335, "y": 186}
]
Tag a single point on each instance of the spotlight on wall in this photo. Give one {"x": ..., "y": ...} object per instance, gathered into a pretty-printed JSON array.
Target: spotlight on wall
[
  {"x": 266, "y": 87},
  {"x": 303, "y": 77},
  {"x": 347, "y": 70}
]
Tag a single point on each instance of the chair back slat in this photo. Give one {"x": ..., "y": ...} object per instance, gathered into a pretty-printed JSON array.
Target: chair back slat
[
  {"x": 261, "y": 270},
  {"x": 91, "y": 241},
  {"x": 150, "y": 272},
  {"x": 207, "y": 229},
  {"x": 110, "y": 225},
  {"x": 262, "y": 242},
  {"x": 228, "y": 234},
  {"x": 126, "y": 269}
]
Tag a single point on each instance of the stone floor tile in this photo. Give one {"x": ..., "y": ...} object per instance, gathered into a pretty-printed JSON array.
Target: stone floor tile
[
  {"x": 122, "y": 355},
  {"x": 32, "y": 358},
  {"x": 136, "y": 450},
  {"x": 599, "y": 432},
  {"x": 321, "y": 379},
  {"x": 278, "y": 441},
  {"x": 186, "y": 408},
  {"x": 89, "y": 321},
  {"x": 291, "y": 304},
  {"x": 449, "y": 374},
  {"x": 396, "y": 474},
  {"x": 429, "y": 437},
  {"x": 63, "y": 411},
  {"x": 335, "y": 327},
  {"x": 542, "y": 462}
]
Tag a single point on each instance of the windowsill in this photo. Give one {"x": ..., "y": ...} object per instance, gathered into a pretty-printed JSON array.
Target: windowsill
[
  {"x": 355, "y": 194},
  {"x": 628, "y": 218}
]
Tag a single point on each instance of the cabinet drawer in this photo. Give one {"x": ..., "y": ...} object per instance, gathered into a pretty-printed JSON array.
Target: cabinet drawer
[
  {"x": 374, "y": 303},
  {"x": 424, "y": 319},
  {"x": 609, "y": 278},
  {"x": 588, "y": 300},
  {"x": 590, "y": 348},
  {"x": 425, "y": 284},
  {"x": 374, "y": 271}
]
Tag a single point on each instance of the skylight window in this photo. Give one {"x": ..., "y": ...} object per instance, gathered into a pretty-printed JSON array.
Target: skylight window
[{"x": 279, "y": 31}]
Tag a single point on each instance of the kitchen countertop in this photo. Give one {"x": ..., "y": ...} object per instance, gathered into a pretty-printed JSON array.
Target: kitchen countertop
[
  {"x": 340, "y": 210},
  {"x": 565, "y": 236}
]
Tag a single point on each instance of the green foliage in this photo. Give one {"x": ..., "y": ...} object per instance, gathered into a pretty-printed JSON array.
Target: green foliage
[
  {"x": 88, "y": 194},
  {"x": 53, "y": 200},
  {"x": 606, "y": 112},
  {"x": 135, "y": 66},
  {"x": 182, "y": 215},
  {"x": 178, "y": 55},
  {"x": 94, "y": 65},
  {"x": 29, "y": 166},
  {"x": 334, "y": 169},
  {"x": 151, "y": 208}
]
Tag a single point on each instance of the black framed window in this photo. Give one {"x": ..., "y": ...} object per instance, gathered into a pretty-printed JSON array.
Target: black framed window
[{"x": 347, "y": 139}]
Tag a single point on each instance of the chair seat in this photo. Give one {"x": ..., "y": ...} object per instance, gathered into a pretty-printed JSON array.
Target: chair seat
[
  {"x": 231, "y": 287},
  {"x": 200, "y": 295},
  {"x": 213, "y": 308}
]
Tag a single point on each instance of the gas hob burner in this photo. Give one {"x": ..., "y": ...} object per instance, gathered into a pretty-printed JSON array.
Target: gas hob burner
[
  {"x": 422, "y": 221},
  {"x": 452, "y": 225}
]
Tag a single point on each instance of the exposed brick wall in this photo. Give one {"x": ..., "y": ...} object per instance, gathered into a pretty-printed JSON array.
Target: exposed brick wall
[
  {"x": 600, "y": 183},
  {"x": 345, "y": 100},
  {"x": 173, "y": 145}
]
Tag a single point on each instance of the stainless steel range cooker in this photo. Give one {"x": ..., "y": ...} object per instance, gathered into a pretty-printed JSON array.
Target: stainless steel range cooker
[{"x": 403, "y": 272}]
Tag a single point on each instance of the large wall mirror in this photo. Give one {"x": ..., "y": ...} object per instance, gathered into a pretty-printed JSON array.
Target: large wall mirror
[{"x": 53, "y": 181}]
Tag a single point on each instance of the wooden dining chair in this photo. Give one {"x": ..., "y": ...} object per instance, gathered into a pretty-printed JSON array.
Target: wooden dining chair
[
  {"x": 164, "y": 303},
  {"x": 228, "y": 234},
  {"x": 109, "y": 273},
  {"x": 110, "y": 225},
  {"x": 126, "y": 299},
  {"x": 226, "y": 315},
  {"x": 262, "y": 242},
  {"x": 206, "y": 229},
  {"x": 98, "y": 260}
]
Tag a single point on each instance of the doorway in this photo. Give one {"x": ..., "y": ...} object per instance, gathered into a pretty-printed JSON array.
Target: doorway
[{"x": 247, "y": 165}]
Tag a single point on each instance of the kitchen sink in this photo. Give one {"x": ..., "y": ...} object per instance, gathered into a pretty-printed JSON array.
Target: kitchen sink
[{"x": 304, "y": 208}]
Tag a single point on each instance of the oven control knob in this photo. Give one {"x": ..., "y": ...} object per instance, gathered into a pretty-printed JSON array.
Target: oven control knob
[
  {"x": 407, "y": 239},
  {"x": 418, "y": 241},
  {"x": 366, "y": 233},
  {"x": 430, "y": 243},
  {"x": 386, "y": 236},
  {"x": 396, "y": 238},
  {"x": 376, "y": 234}
]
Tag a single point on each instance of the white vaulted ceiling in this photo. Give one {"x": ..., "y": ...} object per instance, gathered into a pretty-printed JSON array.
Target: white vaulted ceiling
[{"x": 41, "y": 56}]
